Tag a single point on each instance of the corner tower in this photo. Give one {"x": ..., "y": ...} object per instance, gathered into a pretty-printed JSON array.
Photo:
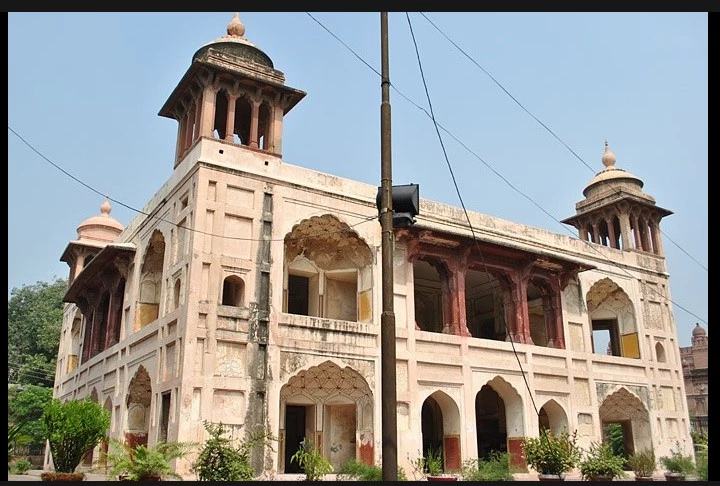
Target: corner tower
[
  {"x": 617, "y": 213},
  {"x": 232, "y": 93}
]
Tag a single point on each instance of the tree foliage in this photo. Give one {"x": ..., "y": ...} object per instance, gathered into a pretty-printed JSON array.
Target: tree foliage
[
  {"x": 35, "y": 315},
  {"x": 25, "y": 406}
]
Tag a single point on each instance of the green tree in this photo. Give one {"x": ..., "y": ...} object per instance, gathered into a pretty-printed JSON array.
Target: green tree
[
  {"x": 26, "y": 405},
  {"x": 73, "y": 428},
  {"x": 35, "y": 315}
]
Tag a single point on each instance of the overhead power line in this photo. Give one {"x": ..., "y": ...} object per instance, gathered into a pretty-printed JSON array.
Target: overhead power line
[{"x": 563, "y": 226}]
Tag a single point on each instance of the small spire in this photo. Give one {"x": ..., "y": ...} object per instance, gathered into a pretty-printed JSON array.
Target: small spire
[
  {"x": 236, "y": 28},
  {"x": 105, "y": 207},
  {"x": 608, "y": 158}
]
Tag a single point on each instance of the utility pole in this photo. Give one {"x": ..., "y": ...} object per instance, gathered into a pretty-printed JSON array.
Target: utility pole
[{"x": 387, "y": 319}]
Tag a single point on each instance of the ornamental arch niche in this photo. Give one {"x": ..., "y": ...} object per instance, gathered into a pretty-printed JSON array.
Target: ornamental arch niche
[
  {"x": 138, "y": 402},
  {"x": 332, "y": 406},
  {"x": 612, "y": 319},
  {"x": 552, "y": 417},
  {"x": 440, "y": 419},
  {"x": 328, "y": 271},
  {"x": 148, "y": 307},
  {"x": 625, "y": 408}
]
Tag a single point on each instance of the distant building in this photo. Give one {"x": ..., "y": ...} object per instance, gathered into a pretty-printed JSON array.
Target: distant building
[
  {"x": 248, "y": 292},
  {"x": 695, "y": 371}
]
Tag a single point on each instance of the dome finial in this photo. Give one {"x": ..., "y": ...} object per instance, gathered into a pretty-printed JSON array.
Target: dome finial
[
  {"x": 236, "y": 28},
  {"x": 608, "y": 158},
  {"x": 105, "y": 207}
]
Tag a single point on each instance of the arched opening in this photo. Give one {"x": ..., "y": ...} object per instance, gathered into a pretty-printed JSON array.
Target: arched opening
[
  {"x": 328, "y": 271},
  {"x": 612, "y": 317},
  {"x": 660, "y": 353},
  {"x": 264, "y": 126},
  {"x": 552, "y": 417},
  {"x": 330, "y": 406},
  {"x": 233, "y": 291},
  {"x": 440, "y": 426},
  {"x": 625, "y": 420},
  {"x": 138, "y": 402},
  {"x": 148, "y": 307}
]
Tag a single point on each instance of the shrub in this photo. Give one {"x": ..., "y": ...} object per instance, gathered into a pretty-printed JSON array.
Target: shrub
[
  {"x": 73, "y": 428},
  {"x": 21, "y": 466},
  {"x": 551, "y": 453},
  {"x": 142, "y": 463},
  {"x": 677, "y": 462},
  {"x": 311, "y": 460},
  {"x": 643, "y": 463},
  {"x": 359, "y": 471},
  {"x": 495, "y": 468},
  {"x": 601, "y": 461},
  {"x": 221, "y": 460}
]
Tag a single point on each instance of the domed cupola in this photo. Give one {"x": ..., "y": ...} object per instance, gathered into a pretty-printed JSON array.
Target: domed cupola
[
  {"x": 235, "y": 46},
  {"x": 93, "y": 234},
  {"x": 101, "y": 228},
  {"x": 616, "y": 212},
  {"x": 231, "y": 93}
]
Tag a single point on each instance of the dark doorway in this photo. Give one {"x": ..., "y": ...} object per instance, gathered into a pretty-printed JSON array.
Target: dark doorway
[
  {"x": 294, "y": 434},
  {"x": 432, "y": 427},
  {"x": 164, "y": 417},
  {"x": 490, "y": 422},
  {"x": 298, "y": 294}
]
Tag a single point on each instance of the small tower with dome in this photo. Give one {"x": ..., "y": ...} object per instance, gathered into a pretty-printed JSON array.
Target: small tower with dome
[
  {"x": 233, "y": 94},
  {"x": 93, "y": 234},
  {"x": 617, "y": 213}
]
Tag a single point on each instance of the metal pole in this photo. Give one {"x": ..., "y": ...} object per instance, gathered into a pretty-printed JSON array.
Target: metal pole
[{"x": 387, "y": 319}]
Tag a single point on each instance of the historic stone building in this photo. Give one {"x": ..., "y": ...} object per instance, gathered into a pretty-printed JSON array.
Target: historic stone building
[
  {"x": 695, "y": 371},
  {"x": 249, "y": 293}
]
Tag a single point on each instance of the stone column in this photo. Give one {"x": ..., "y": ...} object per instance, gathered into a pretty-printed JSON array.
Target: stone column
[
  {"x": 230, "y": 122},
  {"x": 636, "y": 232},
  {"x": 180, "y": 144},
  {"x": 198, "y": 112},
  {"x": 458, "y": 323},
  {"x": 254, "y": 116},
  {"x": 644, "y": 234},
  {"x": 555, "y": 320},
  {"x": 611, "y": 231},
  {"x": 596, "y": 233},
  {"x": 520, "y": 280},
  {"x": 207, "y": 117},
  {"x": 511, "y": 321},
  {"x": 655, "y": 235},
  {"x": 625, "y": 231},
  {"x": 189, "y": 117}
]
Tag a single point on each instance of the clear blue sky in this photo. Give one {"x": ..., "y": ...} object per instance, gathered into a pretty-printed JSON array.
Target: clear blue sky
[{"x": 84, "y": 90}]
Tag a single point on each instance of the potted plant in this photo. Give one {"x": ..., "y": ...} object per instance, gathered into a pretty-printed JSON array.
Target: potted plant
[
  {"x": 643, "y": 465},
  {"x": 311, "y": 460},
  {"x": 601, "y": 464},
  {"x": 72, "y": 429},
  {"x": 677, "y": 465},
  {"x": 222, "y": 459},
  {"x": 433, "y": 462},
  {"x": 551, "y": 454},
  {"x": 143, "y": 463}
]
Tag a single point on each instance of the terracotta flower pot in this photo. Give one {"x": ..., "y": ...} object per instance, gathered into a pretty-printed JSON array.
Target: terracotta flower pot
[
  {"x": 674, "y": 476},
  {"x": 442, "y": 478},
  {"x": 58, "y": 476},
  {"x": 550, "y": 477}
]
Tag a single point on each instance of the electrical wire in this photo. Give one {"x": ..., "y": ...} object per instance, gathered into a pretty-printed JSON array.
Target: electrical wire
[
  {"x": 467, "y": 216},
  {"x": 462, "y": 144},
  {"x": 550, "y": 131},
  {"x": 152, "y": 216}
]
